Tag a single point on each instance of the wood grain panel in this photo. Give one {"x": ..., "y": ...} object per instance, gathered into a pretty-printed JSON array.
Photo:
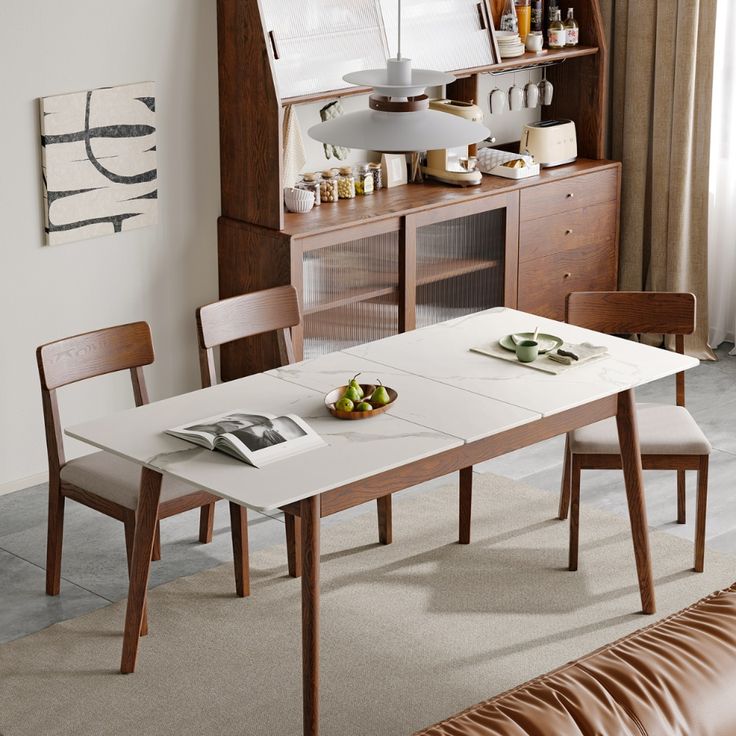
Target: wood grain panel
[
  {"x": 570, "y": 194},
  {"x": 568, "y": 231},
  {"x": 545, "y": 283},
  {"x": 250, "y": 259},
  {"x": 250, "y": 117},
  {"x": 633, "y": 312}
]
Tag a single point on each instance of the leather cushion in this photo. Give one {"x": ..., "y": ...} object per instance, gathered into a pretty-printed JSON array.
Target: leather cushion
[
  {"x": 675, "y": 677},
  {"x": 664, "y": 429},
  {"x": 117, "y": 480}
]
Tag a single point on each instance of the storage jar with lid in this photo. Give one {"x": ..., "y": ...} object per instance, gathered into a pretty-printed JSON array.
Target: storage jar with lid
[
  {"x": 364, "y": 180},
  {"x": 310, "y": 183},
  {"x": 328, "y": 186},
  {"x": 346, "y": 183},
  {"x": 377, "y": 176}
]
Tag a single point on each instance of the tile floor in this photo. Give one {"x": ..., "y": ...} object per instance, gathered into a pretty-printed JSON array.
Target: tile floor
[{"x": 94, "y": 570}]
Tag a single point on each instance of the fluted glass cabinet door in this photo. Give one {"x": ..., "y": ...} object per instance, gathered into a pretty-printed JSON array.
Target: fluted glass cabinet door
[
  {"x": 460, "y": 266},
  {"x": 350, "y": 293}
]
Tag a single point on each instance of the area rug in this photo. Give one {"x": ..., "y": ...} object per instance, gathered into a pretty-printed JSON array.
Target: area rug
[{"x": 411, "y": 633}]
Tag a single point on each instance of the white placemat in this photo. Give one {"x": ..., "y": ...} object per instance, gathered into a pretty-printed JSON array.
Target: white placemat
[{"x": 542, "y": 363}]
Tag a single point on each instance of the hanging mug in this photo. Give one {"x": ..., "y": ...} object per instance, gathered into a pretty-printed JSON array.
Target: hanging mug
[
  {"x": 532, "y": 94},
  {"x": 498, "y": 101}
]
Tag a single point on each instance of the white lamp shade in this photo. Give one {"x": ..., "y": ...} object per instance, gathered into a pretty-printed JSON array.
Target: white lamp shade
[{"x": 399, "y": 132}]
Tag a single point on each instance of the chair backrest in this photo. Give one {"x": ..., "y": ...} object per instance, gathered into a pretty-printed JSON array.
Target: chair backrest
[
  {"x": 247, "y": 315},
  {"x": 72, "y": 359},
  {"x": 636, "y": 312}
]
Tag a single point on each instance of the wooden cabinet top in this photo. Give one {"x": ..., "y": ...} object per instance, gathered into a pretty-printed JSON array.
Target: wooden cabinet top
[{"x": 389, "y": 204}]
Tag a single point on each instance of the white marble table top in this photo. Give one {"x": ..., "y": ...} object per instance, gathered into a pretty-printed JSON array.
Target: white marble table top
[
  {"x": 441, "y": 352},
  {"x": 447, "y": 396}
]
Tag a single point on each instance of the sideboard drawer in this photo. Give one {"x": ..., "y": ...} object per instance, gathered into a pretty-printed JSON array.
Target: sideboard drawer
[
  {"x": 567, "y": 231},
  {"x": 544, "y": 283},
  {"x": 552, "y": 198}
]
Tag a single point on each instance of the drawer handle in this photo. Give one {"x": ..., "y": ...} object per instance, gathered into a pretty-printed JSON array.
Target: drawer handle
[
  {"x": 567, "y": 275},
  {"x": 568, "y": 231},
  {"x": 570, "y": 195}
]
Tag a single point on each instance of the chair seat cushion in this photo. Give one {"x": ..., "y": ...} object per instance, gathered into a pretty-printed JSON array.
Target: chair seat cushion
[
  {"x": 663, "y": 430},
  {"x": 114, "y": 479}
]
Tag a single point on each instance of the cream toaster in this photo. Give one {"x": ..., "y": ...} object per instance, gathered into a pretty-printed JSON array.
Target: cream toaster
[{"x": 551, "y": 142}]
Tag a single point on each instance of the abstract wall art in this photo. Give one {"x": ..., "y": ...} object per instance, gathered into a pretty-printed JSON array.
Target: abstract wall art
[{"x": 99, "y": 162}]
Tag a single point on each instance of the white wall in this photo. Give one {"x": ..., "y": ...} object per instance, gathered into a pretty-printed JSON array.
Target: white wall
[{"x": 159, "y": 274}]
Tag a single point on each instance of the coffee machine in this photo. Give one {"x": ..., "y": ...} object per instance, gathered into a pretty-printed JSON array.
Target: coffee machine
[{"x": 456, "y": 166}]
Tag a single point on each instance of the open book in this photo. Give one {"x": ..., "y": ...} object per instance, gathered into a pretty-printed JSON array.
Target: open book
[{"x": 258, "y": 439}]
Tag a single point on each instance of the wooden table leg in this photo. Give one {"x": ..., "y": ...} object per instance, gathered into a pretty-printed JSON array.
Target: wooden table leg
[
  {"x": 146, "y": 519},
  {"x": 628, "y": 437},
  {"x": 310, "y": 518},
  {"x": 466, "y": 503},
  {"x": 293, "y": 544},
  {"x": 385, "y": 519}
]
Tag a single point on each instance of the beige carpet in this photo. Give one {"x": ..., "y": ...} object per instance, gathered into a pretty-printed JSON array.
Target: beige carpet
[{"x": 411, "y": 633}]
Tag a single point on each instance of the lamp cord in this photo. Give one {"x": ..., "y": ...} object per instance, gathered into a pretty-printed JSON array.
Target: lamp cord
[{"x": 398, "y": 51}]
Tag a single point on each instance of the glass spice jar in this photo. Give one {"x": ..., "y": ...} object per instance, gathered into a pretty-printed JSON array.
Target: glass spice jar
[
  {"x": 364, "y": 180},
  {"x": 328, "y": 191},
  {"x": 310, "y": 182},
  {"x": 346, "y": 183},
  {"x": 377, "y": 176}
]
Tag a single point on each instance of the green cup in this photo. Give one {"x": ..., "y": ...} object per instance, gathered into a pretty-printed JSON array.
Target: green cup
[{"x": 527, "y": 351}]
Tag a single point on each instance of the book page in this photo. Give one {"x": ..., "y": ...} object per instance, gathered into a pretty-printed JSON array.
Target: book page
[{"x": 206, "y": 431}]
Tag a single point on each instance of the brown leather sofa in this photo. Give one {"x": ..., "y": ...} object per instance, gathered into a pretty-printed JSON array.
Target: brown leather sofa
[{"x": 674, "y": 678}]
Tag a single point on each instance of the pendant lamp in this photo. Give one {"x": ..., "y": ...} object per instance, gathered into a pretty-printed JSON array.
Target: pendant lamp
[{"x": 399, "y": 119}]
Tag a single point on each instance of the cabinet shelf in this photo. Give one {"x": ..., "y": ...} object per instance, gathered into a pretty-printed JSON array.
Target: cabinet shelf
[
  {"x": 431, "y": 273},
  {"x": 529, "y": 59},
  {"x": 350, "y": 296}
]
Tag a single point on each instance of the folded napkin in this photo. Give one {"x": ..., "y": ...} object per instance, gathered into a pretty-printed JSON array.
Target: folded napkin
[{"x": 570, "y": 354}]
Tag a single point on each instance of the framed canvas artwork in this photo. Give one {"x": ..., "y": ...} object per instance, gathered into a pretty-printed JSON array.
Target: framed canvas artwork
[{"x": 99, "y": 162}]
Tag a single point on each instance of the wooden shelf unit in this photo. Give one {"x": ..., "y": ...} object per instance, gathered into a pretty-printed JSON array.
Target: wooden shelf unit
[{"x": 261, "y": 246}]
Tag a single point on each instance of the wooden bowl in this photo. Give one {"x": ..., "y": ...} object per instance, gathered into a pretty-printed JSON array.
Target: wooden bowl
[{"x": 368, "y": 390}]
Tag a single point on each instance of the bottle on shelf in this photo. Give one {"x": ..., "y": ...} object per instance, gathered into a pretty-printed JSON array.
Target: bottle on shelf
[
  {"x": 556, "y": 34},
  {"x": 537, "y": 20},
  {"x": 572, "y": 31},
  {"x": 552, "y": 5},
  {"x": 523, "y": 18},
  {"x": 509, "y": 21}
]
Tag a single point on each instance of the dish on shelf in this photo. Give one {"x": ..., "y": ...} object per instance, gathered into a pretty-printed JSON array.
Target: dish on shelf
[
  {"x": 334, "y": 396},
  {"x": 547, "y": 343},
  {"x": 298, "y": 200}
]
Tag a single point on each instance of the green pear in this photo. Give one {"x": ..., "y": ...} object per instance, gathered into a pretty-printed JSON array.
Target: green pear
[
  {"x": 344, "y": 404},
  {"x": 364, "y": 406},
  {"x": 380, "y": 396},
  {"x": 352, "y": 394},
  {"x": 354, "y": 383}
]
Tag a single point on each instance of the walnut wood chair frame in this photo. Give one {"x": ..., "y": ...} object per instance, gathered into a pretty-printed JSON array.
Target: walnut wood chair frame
[
  {"x": 248, "y": 315},
  {"x": 73, "y": 359},
  {"x": 622, "y": 313}
]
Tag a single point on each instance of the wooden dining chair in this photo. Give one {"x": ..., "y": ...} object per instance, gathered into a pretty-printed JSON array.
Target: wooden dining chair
[
  {"x": 669, "y": 437},
  {"x": 271, "y": 310},
  {"x": 102, "y": 481}
]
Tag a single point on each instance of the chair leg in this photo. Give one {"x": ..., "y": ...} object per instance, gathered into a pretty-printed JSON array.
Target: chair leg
[
  {"x": 239, "y": 529},
  {"x": 681, "y": 497},
  {"x": 702, "y": 504},
  {"x": 465, "y": 505},
  {"x": 156, "y": 552},
  {"x": 129, "y": 525},
  {"x": 574, "y": 512},
  {"x": 293, "y": 544},
  {"x": 565, "y": 485},
  {"x": 206, "y": 523},
  {"x": 54, "y": 539},
  {"x": 385, "y": 519}
]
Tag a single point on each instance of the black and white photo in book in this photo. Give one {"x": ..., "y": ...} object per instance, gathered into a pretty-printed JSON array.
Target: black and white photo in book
[{"x": 258, "y": 439}]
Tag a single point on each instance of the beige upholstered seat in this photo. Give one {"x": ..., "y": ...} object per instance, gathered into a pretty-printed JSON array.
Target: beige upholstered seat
[
  {"x": 117, "y": 480},
  {"x": 664, "y": 429}
]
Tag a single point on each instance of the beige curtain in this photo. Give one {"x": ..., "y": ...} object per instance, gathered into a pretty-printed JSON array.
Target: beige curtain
[{"x": 661, "y": 82}]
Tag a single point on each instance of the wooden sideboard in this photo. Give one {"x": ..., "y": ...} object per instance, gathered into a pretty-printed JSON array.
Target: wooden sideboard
[
  {"x": 406, "y": 257},
  {"x": 417, "y": 254}
]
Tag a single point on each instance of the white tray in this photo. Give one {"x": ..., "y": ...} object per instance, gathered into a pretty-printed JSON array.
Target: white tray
[{"x": 509, "y": 173}]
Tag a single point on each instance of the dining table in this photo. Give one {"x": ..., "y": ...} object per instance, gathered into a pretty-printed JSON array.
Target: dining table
[{"x": 455, "y": 409}]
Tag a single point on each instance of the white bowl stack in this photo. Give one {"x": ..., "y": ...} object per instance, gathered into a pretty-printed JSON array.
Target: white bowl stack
[
  {"x": 509, "y": 44},
  {"x": 298, "y": 200}
]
